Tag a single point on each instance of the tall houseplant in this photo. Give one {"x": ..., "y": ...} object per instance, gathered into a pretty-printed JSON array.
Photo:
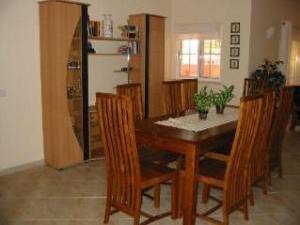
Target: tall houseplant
[
  {"x": 203, "y": 101},
  {"x": 269, "y": 72},
  {"x": 222, "y": 97}
]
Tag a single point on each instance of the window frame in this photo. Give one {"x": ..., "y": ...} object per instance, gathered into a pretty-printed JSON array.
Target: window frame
[{"x": 201, "y": 54}]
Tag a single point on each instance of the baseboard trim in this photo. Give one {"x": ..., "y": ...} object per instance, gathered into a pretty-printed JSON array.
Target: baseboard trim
[{"x": 20, "y": 168}]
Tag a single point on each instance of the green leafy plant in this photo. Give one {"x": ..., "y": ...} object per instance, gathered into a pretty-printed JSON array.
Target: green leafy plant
[
  {"x": 270, "y": 73},
  {"x": 203, "y": 100},
  {"x": 223, "y": 96}
]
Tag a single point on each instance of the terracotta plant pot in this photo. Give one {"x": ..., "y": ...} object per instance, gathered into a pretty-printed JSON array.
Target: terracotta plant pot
[
  {"x": 202, "y": 115},
  {"x": 220, "y": 109}
]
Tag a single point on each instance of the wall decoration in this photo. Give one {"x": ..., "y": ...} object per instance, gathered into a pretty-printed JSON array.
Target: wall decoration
[
  {"x": 234, "y": 63},
  {"x": 234, "y": 51},
  {"x": 235, "y": 28},
  {"x": 235, "y": 39}
]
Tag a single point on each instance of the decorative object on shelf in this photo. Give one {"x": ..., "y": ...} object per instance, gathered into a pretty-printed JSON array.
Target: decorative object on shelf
[
  {"x": 73, "y": 64},
  {"x": 203, "y": 101},
  {"x": 234, "y": 51},
  {"x": 107, "y": 26},
  {"x": 235, "y": 39},
  {"x": 235, "y": 27},
  {"x": 222, "y": 97},
  {"x": 90, "y": 48},
  {"x": 124, "y": 50},
  {"x": 129, "y": 31},
  {"x": 234, "y": 64},
  {"x": 94, "y": 28},
  {"x": 270, "y": 73}
]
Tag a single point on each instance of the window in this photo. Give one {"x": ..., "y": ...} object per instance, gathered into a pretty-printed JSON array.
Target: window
[{"x": 200, "y": 58}]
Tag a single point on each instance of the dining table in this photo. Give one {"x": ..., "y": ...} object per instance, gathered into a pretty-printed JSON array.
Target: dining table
[{"x": 168, "y": 133}]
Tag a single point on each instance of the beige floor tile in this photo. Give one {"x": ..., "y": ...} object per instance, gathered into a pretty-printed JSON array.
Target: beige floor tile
[{"x": 76, "y": 196}]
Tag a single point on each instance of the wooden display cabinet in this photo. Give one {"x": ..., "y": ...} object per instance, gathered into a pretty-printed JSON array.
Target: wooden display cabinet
[
  {"x": 149, "y": 65},
  {"x": 64, "y": 78}
]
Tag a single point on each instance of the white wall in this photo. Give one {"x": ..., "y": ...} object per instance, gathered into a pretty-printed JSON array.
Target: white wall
[
  {"x": 20, "y": 110},
  {"x": 266, "y": 14},
  {"x": 223, "y": 12}
]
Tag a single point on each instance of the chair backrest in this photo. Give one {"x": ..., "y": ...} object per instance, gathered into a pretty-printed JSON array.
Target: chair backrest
[
  {"x": 190, "y": 87},
  {"x": 238, "y": 168},
  {"x": 173, "y": 97},
  {"x": 118, "y": 136},
  {"x": 281, "y": 118},
  {"x": 252, "y": 87},
  {"x": 261, "y": 145},
  {"x": 134, "y": 91}
]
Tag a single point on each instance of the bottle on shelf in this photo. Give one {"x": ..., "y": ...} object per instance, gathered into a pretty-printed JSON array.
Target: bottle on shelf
[{"x": 107, "y": 26}]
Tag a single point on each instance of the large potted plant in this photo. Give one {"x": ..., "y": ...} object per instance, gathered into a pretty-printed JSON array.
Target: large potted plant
[
  {"x": 203, "y": 101},
  {"x": 222, "y": 97},
  {"x": 269, "y": 72}
]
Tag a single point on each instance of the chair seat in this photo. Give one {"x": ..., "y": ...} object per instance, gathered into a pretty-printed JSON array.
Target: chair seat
[
  {"x": 152, "y": 174},
  {"x": 212, "y": 172},
  {"x": 148, "y": 154}
]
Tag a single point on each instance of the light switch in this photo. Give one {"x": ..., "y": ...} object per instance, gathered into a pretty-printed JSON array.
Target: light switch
[{"x": 2, "y": 93}]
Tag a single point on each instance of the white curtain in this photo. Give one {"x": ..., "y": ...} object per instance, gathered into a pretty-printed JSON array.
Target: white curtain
[
  {"x": 294, "y": 64},
  {"x": 289, "y": 51},
  {"x": 198, "y": 30}
]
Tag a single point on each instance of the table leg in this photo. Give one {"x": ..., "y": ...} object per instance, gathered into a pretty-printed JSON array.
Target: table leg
[{"x": 190, "y": 187}]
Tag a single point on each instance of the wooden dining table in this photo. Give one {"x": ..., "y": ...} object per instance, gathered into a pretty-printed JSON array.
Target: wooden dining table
[{"x": 191, "y": 145}]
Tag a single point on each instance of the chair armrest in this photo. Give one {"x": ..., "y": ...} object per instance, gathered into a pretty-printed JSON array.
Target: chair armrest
[{"x": 217, "y": 156}]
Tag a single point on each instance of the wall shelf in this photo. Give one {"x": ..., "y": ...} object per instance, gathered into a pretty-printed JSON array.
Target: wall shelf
[
  {"x": 113, "y": 39},
  {"x": 107, "y": 54}
]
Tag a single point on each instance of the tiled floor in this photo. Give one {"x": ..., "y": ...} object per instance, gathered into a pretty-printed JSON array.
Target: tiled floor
[{"x": 74, "y": 196}]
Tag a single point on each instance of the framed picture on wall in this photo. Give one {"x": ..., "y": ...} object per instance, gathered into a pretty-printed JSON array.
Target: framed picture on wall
[
  {"x": 235, "y": 39},
  {"x": 235, "y": 27},
  {"x": 234, "y": 51},
  {"x": 234, "y": 64}
]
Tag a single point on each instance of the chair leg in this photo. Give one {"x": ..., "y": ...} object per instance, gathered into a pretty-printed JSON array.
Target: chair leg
[
  {"x": 245, "y": 209},
  {"x": 251, "y": 196},
  {"x": 280, "y": 170},
  {"x": 137, "y": 219},
  {"x": 180, "y": 191},
  {"x": 205, "y": 193},
  {"x": 107, "y": 210},
  {"x": 174, "y": 196},
  {"x": 156, "y": 195},
  {"x": 265, "y": 185},
  {"x": 226, "y": 219}
]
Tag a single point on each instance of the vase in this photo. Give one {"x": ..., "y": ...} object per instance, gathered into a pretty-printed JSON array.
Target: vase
[
  {"x": 220, "y": 109},
  {"x": 107, "y": 26},
  {"x": 202, "y": 115}
]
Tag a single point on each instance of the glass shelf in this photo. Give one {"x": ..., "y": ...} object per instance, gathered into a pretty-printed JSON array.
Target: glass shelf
[{"x": 113, "y": 39}]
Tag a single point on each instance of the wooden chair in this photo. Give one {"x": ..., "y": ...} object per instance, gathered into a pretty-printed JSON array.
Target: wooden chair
[
  {"x": 173, "y": 97},
  {"x": 252, "y": 87},
  {"x": 231, "y": 173},
  {"x": 190, "y": 87},
  {"x": 259, "y": 166},
  {"x": 134, "y": 91},
  {"x": 126, "y": 178},
  {"x": 146, "y": 154},
  {"x": 282, "y": 115},
  {"x": 296, "y": 110}
]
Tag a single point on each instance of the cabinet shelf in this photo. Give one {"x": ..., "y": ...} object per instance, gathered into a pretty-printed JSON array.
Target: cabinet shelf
[
  {"x": 113, "y": 39},
  {"x": 108, "y": 54}
]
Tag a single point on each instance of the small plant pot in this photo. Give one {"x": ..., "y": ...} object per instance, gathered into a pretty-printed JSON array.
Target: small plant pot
[
  {"x": 220, "y": 109},
  {"x": 202, "y": 115}
]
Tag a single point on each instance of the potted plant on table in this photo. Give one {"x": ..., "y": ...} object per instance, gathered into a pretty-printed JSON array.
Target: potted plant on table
[
  {"x": 203, "y": 101},
  {"x": 222, "y": 97}
]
